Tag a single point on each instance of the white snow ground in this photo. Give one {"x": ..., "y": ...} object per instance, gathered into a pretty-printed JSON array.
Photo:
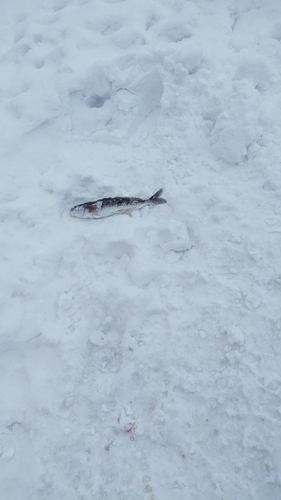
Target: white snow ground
[{"x": 140, "y": 356}]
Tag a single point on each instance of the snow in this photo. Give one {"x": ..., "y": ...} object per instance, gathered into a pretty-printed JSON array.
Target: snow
[{"x": 140, "y": 356}]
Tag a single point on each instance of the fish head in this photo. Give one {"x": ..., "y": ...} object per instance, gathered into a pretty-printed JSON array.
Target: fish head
[
  {"x": 88, "y": 210},
  {"x": 78, "y": 211}
]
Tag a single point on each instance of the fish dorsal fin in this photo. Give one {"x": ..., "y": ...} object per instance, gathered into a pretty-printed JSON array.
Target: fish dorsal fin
[{"x": 98, "y": 204}]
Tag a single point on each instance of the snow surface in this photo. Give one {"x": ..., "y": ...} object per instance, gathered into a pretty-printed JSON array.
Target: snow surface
[{"x": 140, "y": 356}]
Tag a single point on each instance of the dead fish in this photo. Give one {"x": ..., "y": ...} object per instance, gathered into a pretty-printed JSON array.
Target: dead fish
[{"x": 111, "y": 206}]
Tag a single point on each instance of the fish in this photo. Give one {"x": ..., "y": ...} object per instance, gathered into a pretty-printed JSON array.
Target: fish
[{"x": 106, "y": 207}]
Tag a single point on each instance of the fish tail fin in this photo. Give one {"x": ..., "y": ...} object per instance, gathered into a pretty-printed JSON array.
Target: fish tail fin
[{"x": 155, "y": 198}]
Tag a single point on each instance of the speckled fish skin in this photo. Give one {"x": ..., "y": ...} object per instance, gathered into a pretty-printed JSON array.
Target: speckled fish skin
[{"x": 106, "y": 207}]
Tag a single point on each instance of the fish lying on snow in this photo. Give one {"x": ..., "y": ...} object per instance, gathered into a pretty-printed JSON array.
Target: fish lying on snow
[{"x": 111, "y": 206}]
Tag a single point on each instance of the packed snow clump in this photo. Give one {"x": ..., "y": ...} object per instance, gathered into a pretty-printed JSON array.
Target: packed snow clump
[
  {"x": 235, "y": 335},
  {"x": 174, "y": 237}
]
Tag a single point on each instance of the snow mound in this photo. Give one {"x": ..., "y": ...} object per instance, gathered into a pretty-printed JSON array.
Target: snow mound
[
  {"x": 237, "y": 126},
  {"x": 174, "y": 237},
  {"x": 144, "y": 268},
  {"x": 256, "y": 71},
  {"x": 235, "y": 335},
  {"x": 97, "y": 338}
]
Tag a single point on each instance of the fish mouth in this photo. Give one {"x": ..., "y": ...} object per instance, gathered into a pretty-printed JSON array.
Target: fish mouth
[{"x": 76, "y": 212}]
